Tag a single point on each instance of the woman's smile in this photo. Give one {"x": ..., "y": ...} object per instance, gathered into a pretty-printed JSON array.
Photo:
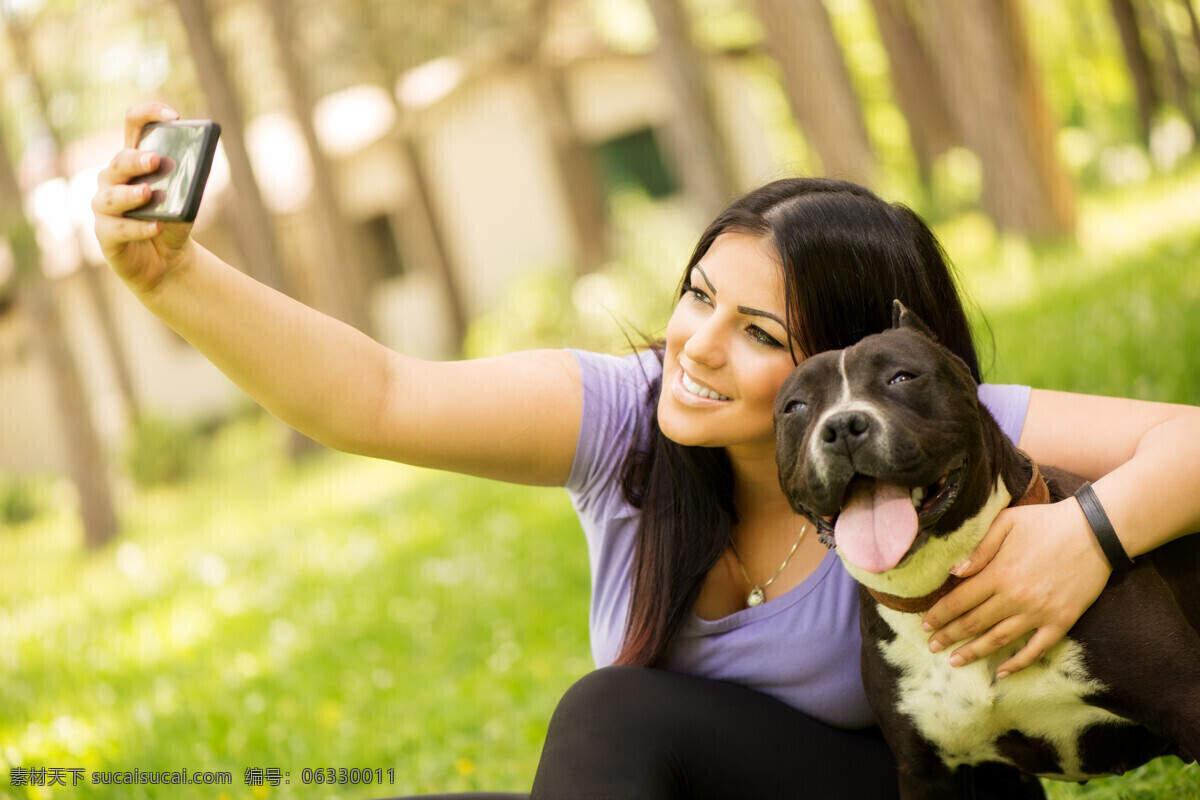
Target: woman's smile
[{"x": 698, "y": 390}]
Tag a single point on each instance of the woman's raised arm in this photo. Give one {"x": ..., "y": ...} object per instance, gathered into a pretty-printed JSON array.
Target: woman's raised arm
[{"x": 514, "y": 418}]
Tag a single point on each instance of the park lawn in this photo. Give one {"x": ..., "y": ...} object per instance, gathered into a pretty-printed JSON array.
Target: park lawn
[{"x": 342, "y": 612}]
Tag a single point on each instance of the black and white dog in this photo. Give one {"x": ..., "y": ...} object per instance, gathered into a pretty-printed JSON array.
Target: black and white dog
[{"x": 886, "y": 449}]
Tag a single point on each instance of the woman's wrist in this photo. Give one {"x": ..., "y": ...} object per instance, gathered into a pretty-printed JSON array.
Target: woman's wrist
[
  {"x": 1102, "y": 528},
  {"x": 1151, "y": 499}
]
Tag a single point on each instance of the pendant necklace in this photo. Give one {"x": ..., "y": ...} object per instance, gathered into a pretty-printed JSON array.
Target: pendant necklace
[{"x": 758, "y": 592}]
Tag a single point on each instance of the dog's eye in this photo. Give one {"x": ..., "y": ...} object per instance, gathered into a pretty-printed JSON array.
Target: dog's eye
[
  {"x": 794, "y": 405},
  {"x": 901, "y": 377}
]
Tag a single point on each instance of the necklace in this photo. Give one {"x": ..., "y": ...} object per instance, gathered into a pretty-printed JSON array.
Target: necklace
[{"x": 758, "y": 592}]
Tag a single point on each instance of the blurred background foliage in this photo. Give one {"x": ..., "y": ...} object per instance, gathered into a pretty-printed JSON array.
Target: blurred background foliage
[{"x": 185, "y": 584}]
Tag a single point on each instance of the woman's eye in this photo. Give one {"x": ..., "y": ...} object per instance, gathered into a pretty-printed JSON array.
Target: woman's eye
[
  {"x": 901, "y": 377},
  {"x": 762, "y": 337},
  {"x": 695, "y": 294}
]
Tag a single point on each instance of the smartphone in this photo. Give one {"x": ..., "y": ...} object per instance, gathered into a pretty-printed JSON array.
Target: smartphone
[{"x": 186, "y": 149}]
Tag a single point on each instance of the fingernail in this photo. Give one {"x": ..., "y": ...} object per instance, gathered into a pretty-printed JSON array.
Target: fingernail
[
  {"x": 959, "y": 569},
  {"x": 146, "y": 160},
  {"x": 169, "y": 114},
  {"x": 935, "y": 646},
  {"x": 925, "y": 626},
  {"x": 1001, "y": 675},
  {"x": 957, "y": 660}
]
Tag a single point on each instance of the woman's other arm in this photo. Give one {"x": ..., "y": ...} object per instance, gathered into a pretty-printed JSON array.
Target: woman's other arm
[
  {"x": 1040, "y": 567},
  {"x": 1143, "y": 459}
]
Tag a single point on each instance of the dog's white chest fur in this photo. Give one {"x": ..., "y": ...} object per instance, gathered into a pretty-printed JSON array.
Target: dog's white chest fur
[{"x": 964, "y": 710}]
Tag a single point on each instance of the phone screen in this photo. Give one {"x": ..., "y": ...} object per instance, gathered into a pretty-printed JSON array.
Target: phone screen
[{"x": 185, "y": 150}]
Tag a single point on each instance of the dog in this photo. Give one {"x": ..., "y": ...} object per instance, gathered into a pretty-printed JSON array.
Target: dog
[{"x": 887, "y": 451}]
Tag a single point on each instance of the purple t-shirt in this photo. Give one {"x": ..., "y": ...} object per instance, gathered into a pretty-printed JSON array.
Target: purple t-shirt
[{"x": 802, "y": 647}]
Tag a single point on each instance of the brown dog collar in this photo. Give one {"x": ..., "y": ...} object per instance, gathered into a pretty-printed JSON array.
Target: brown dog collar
[{"x": 1036, "y": 493}]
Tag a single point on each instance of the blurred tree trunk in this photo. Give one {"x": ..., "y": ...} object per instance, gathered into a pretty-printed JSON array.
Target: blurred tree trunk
[
  {"x": 433, "y": 234},
  {"x": 579, "y": 179},
  {"x": 696, "y": 147},
  {"x": 587, "y": 207},
  {"x": 341, "y": 274},
  {"x": 1172, "y": 66},
  {"x": 799, "y": 35},
  {"x": 18, "y": 37},
  {"x": 990, "y": 79},
  {"x": 86, "y": 461},
  {"x": 1145, "y": 87},
  {"x": 427, "y": 225},
  {"x": 252, "y": 224},
  {"x": 1193, "y": 21},
  {"x": 931, "y": 126}
]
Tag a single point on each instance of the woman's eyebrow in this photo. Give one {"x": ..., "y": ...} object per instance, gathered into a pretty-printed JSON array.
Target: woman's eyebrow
[
  {"x": 750, "y": 312},
  {"x": 711, "y": 288},
  {"x": 754, "y": 312}
]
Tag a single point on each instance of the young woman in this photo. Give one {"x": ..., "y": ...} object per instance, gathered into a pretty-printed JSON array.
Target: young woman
[{"x": 733, "y": 630}]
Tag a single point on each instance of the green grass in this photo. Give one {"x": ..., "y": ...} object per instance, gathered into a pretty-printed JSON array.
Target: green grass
[
  {"x": 1126, "y": 326},
  {"x": 344, "y": 612},
  {"x": 339, "y": 613}
]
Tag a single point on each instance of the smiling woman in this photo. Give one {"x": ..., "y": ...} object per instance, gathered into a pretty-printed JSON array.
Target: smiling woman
[{"x": 794, "y": 268}]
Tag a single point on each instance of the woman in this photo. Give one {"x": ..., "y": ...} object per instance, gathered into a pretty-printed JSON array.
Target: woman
[{"x": 699, "y": 565}]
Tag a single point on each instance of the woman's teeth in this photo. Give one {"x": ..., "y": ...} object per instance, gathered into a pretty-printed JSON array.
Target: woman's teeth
[{"x": 699, "y": 390}]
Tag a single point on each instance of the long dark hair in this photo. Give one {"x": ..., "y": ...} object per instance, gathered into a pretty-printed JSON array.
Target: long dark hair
[{"x": 846, "y": 255}]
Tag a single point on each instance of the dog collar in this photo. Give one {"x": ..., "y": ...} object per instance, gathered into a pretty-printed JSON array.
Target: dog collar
[{"x": 1036, "y": 493}]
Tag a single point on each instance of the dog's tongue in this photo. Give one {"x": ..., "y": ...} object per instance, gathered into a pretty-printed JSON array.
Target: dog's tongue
[{"x": 877, "y": 525}]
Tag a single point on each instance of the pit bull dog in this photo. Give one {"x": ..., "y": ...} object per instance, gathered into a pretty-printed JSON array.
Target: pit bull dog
[{"x": 886, "y": 449}]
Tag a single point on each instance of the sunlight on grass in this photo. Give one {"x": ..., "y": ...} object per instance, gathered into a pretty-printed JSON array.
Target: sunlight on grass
[
  {"x": 330, "y": 613},
  {"x": 1131, "y": 220},
  {"x": 1004, "y": 272}
]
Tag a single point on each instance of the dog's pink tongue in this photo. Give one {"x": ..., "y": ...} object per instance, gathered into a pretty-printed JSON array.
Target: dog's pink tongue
[{"x": 877, "y": 525}]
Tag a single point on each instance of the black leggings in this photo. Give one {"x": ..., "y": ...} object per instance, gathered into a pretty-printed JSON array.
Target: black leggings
[{"x": 634, "y": 734}]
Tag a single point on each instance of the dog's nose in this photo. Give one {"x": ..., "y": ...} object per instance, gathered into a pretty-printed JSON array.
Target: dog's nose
[{"x": 848, "y": 428}]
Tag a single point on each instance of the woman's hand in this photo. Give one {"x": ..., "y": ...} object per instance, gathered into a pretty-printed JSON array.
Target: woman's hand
[
  {"x": 1038, "y": 569},
  {"x": 140, "y": 252}
]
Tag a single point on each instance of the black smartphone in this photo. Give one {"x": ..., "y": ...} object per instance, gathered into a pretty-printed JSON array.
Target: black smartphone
[{"x": 186, "y": 149}]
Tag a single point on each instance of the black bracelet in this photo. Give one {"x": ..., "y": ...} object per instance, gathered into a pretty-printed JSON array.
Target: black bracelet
[{"x": 1102, "y": 527}]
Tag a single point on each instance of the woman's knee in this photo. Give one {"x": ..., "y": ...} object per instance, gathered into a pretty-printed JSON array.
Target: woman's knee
[
  {"x": 603, "y": 697},
  {"x": 603, "y": 740}
]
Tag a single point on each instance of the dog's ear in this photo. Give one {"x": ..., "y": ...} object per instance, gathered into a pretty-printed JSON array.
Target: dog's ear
[{"x": 903, "y": 318}]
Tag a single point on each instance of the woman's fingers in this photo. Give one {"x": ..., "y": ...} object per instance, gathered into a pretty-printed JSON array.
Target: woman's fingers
[
  {"x": 137, "y": 117},
  {"x": 981, "y": 612},
  {"x": 1035, "y": 649},
  {"x": 994, "y": 638},
  {"x": 115, "y": 195},
  {"x": 127, "y": 165},
  {"x": 117, "y": 199},
  {"x": 121, "y": 230},
  {"x": 139, "y": 251}
]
